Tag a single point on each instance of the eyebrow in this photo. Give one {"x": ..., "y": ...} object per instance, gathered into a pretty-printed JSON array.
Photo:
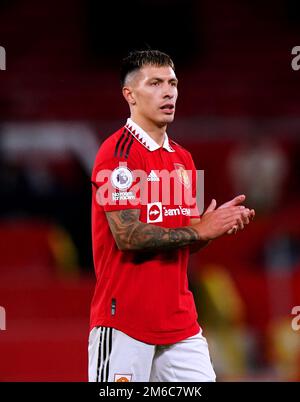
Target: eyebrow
[{"x": 161, "y": 80}]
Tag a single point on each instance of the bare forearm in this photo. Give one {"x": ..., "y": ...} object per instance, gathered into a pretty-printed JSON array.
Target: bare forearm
[
  {"x": 131, "y": 234},
  {"x": 194, "y": 248}
]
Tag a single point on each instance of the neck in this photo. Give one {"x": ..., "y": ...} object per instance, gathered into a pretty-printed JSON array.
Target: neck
[{"x": 157, "y": 133}]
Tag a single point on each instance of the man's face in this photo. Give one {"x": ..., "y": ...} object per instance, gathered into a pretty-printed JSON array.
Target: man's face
[{"x": 154, "y": 93}]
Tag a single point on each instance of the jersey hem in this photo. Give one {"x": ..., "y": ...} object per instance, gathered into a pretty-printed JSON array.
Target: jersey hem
[{"x": 151, "y": 338}]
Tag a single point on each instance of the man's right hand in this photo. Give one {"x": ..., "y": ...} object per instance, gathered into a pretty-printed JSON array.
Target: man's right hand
[{"x": 217, "y": 222}]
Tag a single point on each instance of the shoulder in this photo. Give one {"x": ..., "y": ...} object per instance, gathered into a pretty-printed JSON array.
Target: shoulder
[
  {"x": 181, "y": 150},
  {"x": 119, "y": 147},
  {"x": 177, "y": 147}
]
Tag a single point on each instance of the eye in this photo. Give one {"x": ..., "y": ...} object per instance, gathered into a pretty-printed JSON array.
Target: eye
[{"x": 154, "y": 83}]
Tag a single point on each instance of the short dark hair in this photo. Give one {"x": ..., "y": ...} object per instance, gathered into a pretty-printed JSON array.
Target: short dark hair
[{"x": 139, "y": 58}]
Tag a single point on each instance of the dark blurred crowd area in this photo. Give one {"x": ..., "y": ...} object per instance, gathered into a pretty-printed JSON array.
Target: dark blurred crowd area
[{"x": 238, "y": 113}]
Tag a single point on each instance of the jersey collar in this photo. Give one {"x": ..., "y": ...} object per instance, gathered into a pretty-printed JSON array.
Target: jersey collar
[{"x": 145, "y": 138}]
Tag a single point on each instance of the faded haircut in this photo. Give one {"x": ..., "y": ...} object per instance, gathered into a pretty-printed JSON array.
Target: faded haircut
[{"x": 140, "y": 58}]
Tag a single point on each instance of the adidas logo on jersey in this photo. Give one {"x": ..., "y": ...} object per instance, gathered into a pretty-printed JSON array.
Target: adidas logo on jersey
[{"x": 152, "y": 176}]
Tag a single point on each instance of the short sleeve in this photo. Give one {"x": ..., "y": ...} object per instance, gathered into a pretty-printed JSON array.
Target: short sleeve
[{"x": 116, "y": 184}]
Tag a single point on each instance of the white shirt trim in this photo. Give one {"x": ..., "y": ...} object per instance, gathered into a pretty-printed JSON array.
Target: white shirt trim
[{"x": 145, "y": 139}]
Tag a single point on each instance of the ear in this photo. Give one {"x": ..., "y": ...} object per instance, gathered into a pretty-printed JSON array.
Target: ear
[{"x": 128, "y": 95}]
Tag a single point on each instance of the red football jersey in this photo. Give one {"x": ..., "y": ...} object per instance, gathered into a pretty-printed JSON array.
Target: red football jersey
[{"x": 143, "y": 294}]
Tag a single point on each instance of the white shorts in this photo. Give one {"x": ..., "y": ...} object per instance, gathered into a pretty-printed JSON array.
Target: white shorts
[{"x": 116, "y": 357}]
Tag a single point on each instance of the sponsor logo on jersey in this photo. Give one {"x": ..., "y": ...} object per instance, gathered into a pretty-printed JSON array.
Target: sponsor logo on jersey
[
  {"x": 152, "y": 176},
  {"x": 182, "y": 175},
  {"x": 176, "y": 211},
  {"x": 154, "y": 212},
  {"x": 121, "y": 178},
  {"x": 123, "y": 377}
]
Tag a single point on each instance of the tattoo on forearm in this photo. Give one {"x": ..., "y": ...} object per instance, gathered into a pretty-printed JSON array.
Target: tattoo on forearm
[{"x": 130, "y": 233}]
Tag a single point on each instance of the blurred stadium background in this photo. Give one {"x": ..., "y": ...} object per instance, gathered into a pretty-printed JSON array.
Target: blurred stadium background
[{"x": 238, "y": 113}]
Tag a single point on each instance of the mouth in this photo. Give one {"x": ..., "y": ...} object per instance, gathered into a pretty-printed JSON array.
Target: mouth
[{"x": 168, "y": 108}]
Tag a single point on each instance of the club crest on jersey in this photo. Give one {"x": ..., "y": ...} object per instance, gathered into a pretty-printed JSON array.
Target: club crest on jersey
[
  {"x": 154, "y": 212},
  {"x": 121, "y": 178},
  {"x": 123, "y": 377},
  {"x": 182, "y": 175}
]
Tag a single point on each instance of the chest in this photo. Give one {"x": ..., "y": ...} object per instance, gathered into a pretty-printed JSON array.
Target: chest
[{"x": 166, "y": 190}]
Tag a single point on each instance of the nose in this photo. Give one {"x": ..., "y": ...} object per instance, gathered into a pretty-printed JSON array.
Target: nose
[{"x": 169, "y": 92}]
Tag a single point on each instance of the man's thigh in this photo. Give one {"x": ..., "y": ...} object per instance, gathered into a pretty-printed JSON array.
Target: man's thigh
[
  {"x": 186, "y": 361},
  {"x": 116, "y": 357}
]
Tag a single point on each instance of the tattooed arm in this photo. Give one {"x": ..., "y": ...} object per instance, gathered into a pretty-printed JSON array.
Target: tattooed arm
[{"x": 132, "y": 234}]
